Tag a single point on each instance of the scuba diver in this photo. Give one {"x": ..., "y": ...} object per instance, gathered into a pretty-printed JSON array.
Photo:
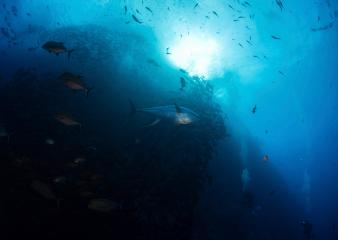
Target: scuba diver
[{"x": 308, "y": 235}]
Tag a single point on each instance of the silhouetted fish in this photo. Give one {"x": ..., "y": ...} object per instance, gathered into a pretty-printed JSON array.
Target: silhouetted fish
[
  {"x": 136, "y": 19},
  {"x": 151, "y": 11},
  {"x": 325, "y": 27},
  {"x": 280, "y": 4},
  {"x": 275, "y": 37},
  {"x": 254, "y": 109},
  {"x": 57, "y": 48}
]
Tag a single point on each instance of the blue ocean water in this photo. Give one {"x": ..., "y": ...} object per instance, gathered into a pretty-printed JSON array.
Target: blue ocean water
[{"x": 173, "y": 119}]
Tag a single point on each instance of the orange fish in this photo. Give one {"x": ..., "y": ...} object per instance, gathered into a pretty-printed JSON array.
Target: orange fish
[
  {"x": 66, "y": 120},
  {"x": 74, "y": 82}
]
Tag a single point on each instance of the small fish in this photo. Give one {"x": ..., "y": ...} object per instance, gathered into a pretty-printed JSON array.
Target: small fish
[
  {"x": 149, "y": 10},
  {"x": 125, "y": 10},
  {"x": 249, "y": 42},
  {"x": 255, "y": 56},
  {"x": 44, "y": 191},
  {"x": 136, "y": 19},
  {"x": 240, "y": 45},
  {"x": 183, "y": 71},
  {"x": 196, "y": 5},
  {"x": 155, "y": 122},
  {"x": 50, "y": 141},
  {"x": 67, "y": 120},
  {"x": 168, "y": 53},
  {"x": 79, "y": 160},
  {"x": 281, "y": 73},
  {"x": 183, "y": 83},
  {"x": 247, "y": 3},
  {"x": 325, "y": 27},
  {"x": 103, "y": 205},
  {"x": 215, "y": 13},
  {"x": 153, "y": 62},
  {"x": 231, "y": 7},
  {"x": 275, "y": 37},
  {"x": 254, "y": 109},
  {"x": 57, "y": 48},
  {"x": 266, "y": 158},
  {"x": 138, "y": 12},
  {"x": 61, "y": 179},
  {"x": 74, "y": 82},
  {"x": 280, "y": 4},
  {"x": 240, "y": 17}
]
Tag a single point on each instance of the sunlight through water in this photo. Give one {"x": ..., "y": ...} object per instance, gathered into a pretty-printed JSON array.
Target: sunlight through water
[{"x": 197, "y": 55}]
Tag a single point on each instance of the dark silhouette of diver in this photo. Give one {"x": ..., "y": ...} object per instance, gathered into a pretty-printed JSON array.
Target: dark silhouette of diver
[{"x": 308, "y": 235}]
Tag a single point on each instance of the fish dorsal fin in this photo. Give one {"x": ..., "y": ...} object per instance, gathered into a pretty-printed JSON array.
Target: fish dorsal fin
[{"x": 178, "y": 109}]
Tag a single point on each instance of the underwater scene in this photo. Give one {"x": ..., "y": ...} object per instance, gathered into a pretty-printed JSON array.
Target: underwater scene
[{"x": 169, "y": 119}]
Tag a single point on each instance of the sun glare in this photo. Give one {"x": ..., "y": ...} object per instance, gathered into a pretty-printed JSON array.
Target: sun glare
[{"x": 196, "y": 55}]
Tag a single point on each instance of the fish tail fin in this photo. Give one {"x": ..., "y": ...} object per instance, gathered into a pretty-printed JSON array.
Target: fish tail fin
[
  {"x": 70, "y": 52},
  {"x": 133, "y": 109},
  {"x": 88, "y": 90}
]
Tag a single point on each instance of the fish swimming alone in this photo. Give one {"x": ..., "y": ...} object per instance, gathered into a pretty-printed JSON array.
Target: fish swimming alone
[
  {"x": 275, "y": 37},
  {"x": 178, "y": 114},
  {"x": 254, "y": 109},
  {"x": 57, "y": 48},
  {"x": 74, "y": 82}
]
